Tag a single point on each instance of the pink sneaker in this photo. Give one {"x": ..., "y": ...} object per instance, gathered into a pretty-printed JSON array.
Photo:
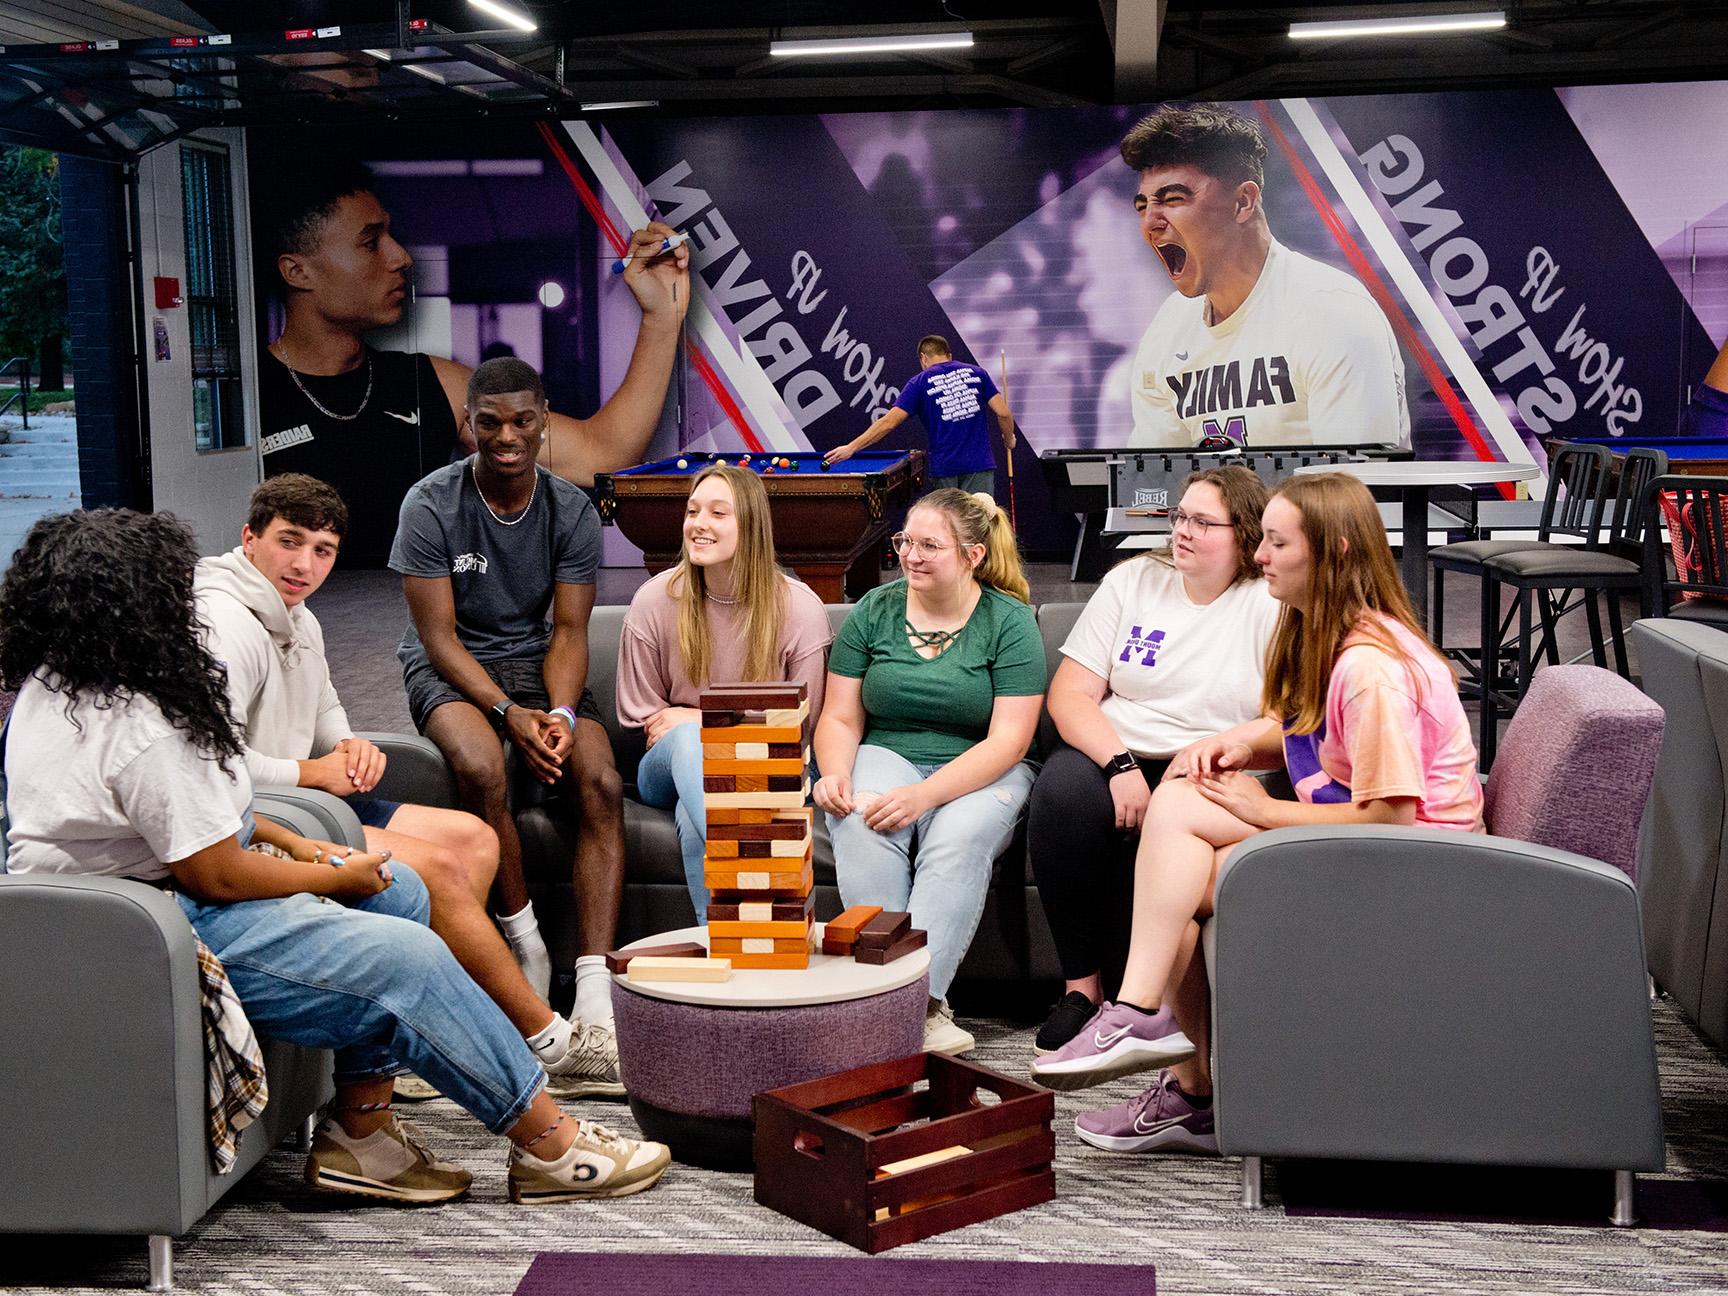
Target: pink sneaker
[
  {"x": 1160, "y": 1119},
  {"x": 1118, "y": 1041}
]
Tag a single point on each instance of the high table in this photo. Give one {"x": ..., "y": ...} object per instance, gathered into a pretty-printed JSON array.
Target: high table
[{"x": 1414, "y": 480}]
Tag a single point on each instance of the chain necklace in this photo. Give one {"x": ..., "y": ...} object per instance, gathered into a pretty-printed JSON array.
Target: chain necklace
[
  {"x": 532, "y": 490},
  {"x": 318, "y": 404},
  {"x": 723, "y": 601}
]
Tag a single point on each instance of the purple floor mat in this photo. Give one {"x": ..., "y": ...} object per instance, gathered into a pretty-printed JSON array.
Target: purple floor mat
[{"x": 558, "y": 1273}]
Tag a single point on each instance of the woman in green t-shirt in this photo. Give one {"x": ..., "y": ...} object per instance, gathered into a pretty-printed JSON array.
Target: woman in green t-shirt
[{"x": 934, "y": 688}]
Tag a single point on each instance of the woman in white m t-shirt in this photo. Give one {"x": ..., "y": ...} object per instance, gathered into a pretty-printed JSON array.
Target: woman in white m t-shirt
[{"x": 1170, "y": 650}]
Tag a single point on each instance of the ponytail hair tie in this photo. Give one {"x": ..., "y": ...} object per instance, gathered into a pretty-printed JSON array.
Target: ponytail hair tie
[{"x": 987, "y": 502}]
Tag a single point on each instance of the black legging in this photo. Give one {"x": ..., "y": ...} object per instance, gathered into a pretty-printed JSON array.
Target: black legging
[{"x": 1083, "y": 866}]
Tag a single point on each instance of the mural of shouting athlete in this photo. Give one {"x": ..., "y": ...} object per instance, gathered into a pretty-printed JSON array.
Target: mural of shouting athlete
[
  {"x": 372, "y": 423},
  {"x": 1258, "y": 345}
]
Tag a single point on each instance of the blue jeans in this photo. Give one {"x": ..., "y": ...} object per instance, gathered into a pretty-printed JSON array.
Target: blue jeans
[
  {"x": 372, "y": 982},
  {"x": 670, "y": 775},
  {"x": 938, "y": 868}
]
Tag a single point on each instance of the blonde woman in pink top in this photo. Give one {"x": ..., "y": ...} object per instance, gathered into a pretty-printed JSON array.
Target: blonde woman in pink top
[
  {"x": 1363, "y": 713},
  {"x": 725, "y": 613}
]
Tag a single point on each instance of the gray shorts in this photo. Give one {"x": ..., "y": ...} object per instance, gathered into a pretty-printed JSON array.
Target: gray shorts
[
  {"x": 522, "y": 678},
  {"x": 971, "y": 482}
]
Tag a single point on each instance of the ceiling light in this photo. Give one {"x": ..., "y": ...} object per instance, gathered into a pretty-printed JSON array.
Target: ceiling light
[
  {"x": 620, "y": 103},
  {"x": 503, "y": 13},
  {"x": 1410, "y": 25},
  {"x": 870, "y": 44}
]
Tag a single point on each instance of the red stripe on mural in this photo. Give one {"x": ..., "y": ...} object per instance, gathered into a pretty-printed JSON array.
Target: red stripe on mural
[
  {"x": 591, "y": 200},
  {"x": 1382, "y": 293}
]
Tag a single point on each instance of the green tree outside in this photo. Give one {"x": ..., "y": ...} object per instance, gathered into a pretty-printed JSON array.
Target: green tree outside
[{"x": 32, "y": 263}]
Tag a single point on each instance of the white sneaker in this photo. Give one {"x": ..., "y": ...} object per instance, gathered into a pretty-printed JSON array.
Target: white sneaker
[
  {"x": 941, "y": 1035},
  {"x": 589, "y": 1067},
  {"x": 390, "y": 1162},
  {"x": 600, "y": 1163}
]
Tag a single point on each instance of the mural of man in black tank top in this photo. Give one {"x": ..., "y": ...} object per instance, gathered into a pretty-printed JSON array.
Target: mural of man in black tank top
[{"x": 372, "y": 423}]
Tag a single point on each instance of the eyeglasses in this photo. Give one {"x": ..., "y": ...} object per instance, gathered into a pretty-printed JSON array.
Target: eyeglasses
[
  {"x": 926, "y": 548},
  {"x": 1202, "y": 526}
]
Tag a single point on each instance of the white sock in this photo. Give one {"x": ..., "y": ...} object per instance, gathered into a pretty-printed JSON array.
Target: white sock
[
  {"x": 593, "y": 991},
  {"x": 522, "y": 934},
  {"x": 553, "y": 1042}
]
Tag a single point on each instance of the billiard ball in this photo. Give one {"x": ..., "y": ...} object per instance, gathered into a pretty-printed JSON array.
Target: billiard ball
[
  {"x": 826, "y": 465},
  {"x": 683, "y": 463}
]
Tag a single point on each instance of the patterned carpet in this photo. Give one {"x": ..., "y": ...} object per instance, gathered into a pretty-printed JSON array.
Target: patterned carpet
[{"x": 273, "y": 1235}]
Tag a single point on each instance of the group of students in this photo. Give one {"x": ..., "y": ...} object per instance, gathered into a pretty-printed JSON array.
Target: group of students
[{"x": 155, "y": 690}]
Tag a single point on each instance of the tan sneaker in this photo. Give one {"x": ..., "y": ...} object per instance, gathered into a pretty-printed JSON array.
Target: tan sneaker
[
  {"x": 589, "y": 1067},
  {"x": 389, "y": 1162},
  {"x": 600, "y": 1163},
  {"x": 941, "y": 1035},
  {"x": 411, "y": 1088}
]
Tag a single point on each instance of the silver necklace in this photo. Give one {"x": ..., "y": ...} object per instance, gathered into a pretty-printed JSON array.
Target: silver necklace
[
  {"x": 532, "y": 490},
  {"x": 726, "y": 602},
  {"x": 318, "y": 404}
]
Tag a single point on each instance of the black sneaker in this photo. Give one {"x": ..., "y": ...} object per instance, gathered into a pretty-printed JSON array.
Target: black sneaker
[{"x": 1071, "y": 1012}]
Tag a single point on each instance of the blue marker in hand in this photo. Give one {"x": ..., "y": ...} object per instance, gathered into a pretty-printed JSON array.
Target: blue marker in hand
[{"x": 666, "y": 245}]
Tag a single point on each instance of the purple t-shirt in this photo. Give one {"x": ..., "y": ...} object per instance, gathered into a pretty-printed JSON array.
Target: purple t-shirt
[
  {"x": 950, "y": 398},
  {"x": 1707, "y": 416}
]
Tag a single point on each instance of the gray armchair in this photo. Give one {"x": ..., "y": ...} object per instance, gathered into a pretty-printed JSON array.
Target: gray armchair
[
  {"x": 1402, "y": 994},
  {"x": 105, "y": 979}
]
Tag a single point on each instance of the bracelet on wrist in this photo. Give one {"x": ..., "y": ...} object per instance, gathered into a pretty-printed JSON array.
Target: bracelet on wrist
[{"x": 568, "y": 714}]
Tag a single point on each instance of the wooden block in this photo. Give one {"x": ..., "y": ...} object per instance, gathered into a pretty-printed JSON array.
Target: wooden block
[
  {"x": 796, "y": 928},
  {"x": 849, "y": 922},
  {"x": 782, "y": 880},
  {"x": 764, "y": 911},
  {"x": 680, "y": 969},
  {"x": 782, "y": 827},
  {"x": 741, "y": 734},
  {"x": 752, "y": 782},
  {"x": 733, "y": 946},
  {"x": 876, "y": 957},
  {"x": 618, "y": 960},
  {"x": 792, "y": 799},
  {"x": 839, "y": 934},
  {"x": 919, "y": 1162},
  {"x": 713, "y": 767},
  {"x": 739, "y": 816},
  {"x": 755, "y": 751},
  {"x": 757, "y": 695},
  {"x": 783, "y": 962},
  {"x": 884, "y": 929}
]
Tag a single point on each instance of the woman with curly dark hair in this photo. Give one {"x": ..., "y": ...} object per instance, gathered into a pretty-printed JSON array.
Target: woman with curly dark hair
[{"x": 121, "y": 760}]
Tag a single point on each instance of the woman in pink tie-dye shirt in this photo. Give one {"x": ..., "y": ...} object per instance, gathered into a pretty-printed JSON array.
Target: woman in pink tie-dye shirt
[{"x": 1363, "y": 713}]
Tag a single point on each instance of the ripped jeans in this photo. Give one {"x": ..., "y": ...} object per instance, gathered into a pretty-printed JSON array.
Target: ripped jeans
[{"x": 937, "y": 868}]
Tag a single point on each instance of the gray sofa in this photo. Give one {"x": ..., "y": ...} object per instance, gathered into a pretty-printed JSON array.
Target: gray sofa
[
  {"x": 1683, "y": 856},
  {"x": 1013, "y": 944},
  {"x": 105, "y": 1020}
]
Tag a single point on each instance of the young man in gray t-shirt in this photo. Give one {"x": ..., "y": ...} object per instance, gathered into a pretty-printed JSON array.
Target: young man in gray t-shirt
[{"x": 497, "y": 558}]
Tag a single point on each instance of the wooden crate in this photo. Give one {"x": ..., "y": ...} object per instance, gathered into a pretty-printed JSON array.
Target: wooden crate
[{"x": 820, "y": 1147}]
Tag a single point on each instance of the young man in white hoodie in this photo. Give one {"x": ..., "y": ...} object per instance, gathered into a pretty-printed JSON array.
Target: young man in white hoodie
[{"x": 296, "y": 734}]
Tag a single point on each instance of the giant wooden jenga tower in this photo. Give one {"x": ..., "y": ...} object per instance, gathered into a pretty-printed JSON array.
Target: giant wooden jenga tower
[{"x": 755, "y": 741}]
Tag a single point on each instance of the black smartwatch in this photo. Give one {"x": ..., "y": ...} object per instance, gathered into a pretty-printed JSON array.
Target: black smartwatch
[
  {"x": 501, "y": 706},
  {"x": 1120, "y": 763}
]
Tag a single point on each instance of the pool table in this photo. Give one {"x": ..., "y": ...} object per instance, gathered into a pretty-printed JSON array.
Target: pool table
[
  {"x": 826, "y": 522},
  {"x": 1696, "y": 456}
]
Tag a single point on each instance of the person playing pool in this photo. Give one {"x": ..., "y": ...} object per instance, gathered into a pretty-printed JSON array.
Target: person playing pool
[
  {"x": 949, "y": 396},
  {"x": 1258, "y": 345}
]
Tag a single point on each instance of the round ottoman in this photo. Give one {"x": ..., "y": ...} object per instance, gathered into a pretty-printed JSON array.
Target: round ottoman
[{"x": 693, "y": 1055}]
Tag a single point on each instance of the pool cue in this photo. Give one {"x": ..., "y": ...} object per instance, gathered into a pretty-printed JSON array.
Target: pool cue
[{"x": 1013, "y": 508}]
